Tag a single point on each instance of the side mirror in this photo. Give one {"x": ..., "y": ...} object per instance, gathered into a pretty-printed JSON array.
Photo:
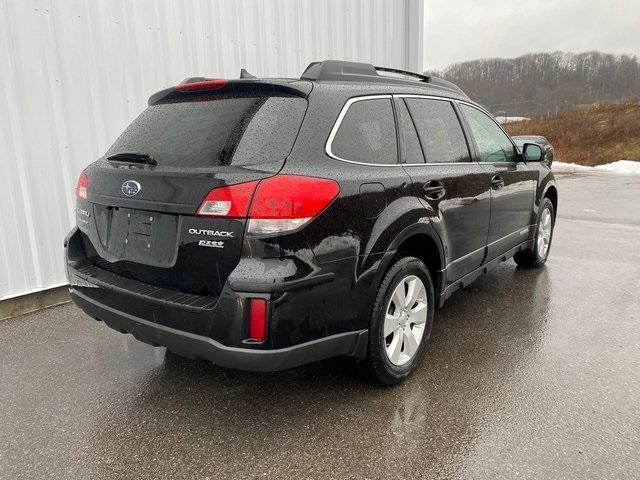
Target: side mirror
[{"x": 532, "y": 152}]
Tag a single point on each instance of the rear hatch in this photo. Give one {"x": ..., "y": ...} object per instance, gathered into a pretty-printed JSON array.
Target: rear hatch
[{"x": 139, "y": 216}]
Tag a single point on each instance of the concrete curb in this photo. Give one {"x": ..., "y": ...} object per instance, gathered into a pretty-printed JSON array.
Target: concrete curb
[{"x": 32, "y": 302}]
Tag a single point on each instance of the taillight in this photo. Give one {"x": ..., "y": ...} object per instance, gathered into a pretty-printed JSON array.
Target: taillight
[
  {"x": 257, "y": 319},
  {"x": 281, "y": 203},
  {"x": 213, "y": 84},
  {"x": 287, "y": 202},
  {"x": 232, "y": 201},
  {"x": 82, "y": 186}
]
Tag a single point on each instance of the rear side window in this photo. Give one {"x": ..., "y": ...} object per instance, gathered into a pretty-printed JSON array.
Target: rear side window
[
  {"x": 216, "y": 132},
  {"x": 367, "y": 133},
  {"x": 409, "y": 142},
  {"x": 439, "y": 130}
]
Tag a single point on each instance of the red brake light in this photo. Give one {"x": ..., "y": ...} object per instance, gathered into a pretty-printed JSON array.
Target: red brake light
[
  {"x": 257, "y": 319},
  {"x": 292, "y": 196},
  {"x": 232, "y": 201},
  {"x": 213, "y": 84},
  {"x": 280, "y": 203},
  {"x": 82, "y": 186}
]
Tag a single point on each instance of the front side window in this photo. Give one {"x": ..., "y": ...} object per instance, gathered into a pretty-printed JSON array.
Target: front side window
[
  {"x": 367, "y": 133},
  {"x": 493, "y": 144},
  {"x": 439, "y": 130}
]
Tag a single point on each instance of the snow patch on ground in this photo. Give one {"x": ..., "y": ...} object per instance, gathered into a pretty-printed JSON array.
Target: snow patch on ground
[
  {"x": 571, "y": 167},
  {"x": 502, "y": 119},
  {"x": 624, "y": 167}
]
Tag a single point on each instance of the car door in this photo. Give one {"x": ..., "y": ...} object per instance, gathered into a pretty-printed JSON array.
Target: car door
[
  {"x": 513, "y": 183},
  {"x": 446, "y": 179},
  {"x": 364, "y": 139}
]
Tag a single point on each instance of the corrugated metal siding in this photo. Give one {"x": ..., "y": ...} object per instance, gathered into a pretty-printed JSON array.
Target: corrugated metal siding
[{"x": 76, "y": 72}]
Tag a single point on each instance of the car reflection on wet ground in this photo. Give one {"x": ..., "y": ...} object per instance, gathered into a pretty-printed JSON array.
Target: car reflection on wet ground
[{"x": 532, "y": 374}]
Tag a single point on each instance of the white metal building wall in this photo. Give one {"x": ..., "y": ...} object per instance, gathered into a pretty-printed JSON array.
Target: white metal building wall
[{"x": 74, "y": 73}]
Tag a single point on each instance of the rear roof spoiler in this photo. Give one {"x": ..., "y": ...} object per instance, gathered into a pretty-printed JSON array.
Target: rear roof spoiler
[{"x": 246, "y": 85}]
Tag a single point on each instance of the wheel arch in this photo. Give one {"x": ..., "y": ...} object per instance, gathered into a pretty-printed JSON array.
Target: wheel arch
[
  {"x": 421, "y": 241},
  {"x": 552, "y": 194}
]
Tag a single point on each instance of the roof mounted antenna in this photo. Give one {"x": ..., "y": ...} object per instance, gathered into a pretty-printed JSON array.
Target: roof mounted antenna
[{"x": 245, "y": 74}]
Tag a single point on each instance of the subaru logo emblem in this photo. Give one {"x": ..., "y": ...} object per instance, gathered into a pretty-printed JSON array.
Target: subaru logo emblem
[{"x": 131, "y": 188}]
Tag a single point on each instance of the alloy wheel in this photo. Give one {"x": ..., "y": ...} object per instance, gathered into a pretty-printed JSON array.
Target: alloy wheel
[
  {"x": 544, "y": 233},
  {"x": 405, "y": 320}
]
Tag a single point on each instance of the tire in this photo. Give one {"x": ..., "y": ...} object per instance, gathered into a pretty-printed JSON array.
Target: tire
[
  {"x": 391, "y": 363},
  {"x": 537, "y": 256}
]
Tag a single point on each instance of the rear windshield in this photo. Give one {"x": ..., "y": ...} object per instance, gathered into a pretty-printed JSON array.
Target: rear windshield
[{"x": 216, "y": 132}]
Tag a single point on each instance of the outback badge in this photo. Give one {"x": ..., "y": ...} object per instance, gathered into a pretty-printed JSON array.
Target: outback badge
[{"x": 131, "y": 188}]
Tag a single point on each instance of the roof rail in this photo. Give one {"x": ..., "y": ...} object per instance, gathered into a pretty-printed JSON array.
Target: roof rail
[
  {"x": 341, "y": 71},
  {"x": 419, "y": 76}
]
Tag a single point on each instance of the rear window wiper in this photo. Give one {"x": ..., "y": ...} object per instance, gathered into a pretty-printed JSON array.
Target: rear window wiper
[{"x": 133, "y": 157}]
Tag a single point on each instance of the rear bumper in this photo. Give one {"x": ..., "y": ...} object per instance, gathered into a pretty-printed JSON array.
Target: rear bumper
[
  {"x": 200, "y": 347},
  {"x": 216, "y": 328}
]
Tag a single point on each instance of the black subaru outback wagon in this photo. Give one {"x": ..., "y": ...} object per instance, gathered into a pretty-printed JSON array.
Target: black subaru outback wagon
[{"x": 262, "y": 224}]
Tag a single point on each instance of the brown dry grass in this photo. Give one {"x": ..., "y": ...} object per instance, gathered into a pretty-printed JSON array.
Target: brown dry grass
[{"x": 595, "y": 135}]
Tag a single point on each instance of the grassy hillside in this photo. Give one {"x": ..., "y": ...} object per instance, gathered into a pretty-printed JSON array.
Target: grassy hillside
[{"x": 595, "y": 135}]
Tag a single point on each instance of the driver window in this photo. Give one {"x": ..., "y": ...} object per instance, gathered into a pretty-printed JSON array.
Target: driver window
[{"x": 493, "y": 145}]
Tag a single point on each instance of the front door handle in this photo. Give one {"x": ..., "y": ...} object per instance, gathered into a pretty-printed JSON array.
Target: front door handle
[
  {"x": 434, "y": 190},
  {"x": 497, "y": 182}
]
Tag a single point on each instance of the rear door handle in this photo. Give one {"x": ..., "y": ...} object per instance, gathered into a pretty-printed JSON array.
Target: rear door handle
[
  {"x": 497, "y": 182},
  {"x": 434, "y": 190}
]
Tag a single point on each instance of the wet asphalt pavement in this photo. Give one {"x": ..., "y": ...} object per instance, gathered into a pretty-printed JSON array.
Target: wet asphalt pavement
[{"x": 530, "y": 374}]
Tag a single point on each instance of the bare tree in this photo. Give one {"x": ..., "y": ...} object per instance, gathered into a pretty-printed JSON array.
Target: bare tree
[{"x": 539, "y": 83}]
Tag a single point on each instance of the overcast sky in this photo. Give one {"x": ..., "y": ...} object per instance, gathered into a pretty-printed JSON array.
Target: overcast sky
[{"x": 459, "y": 30}]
